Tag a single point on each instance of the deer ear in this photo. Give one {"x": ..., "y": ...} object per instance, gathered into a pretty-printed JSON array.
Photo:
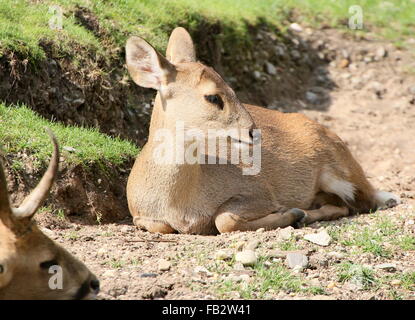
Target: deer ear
[
  {"x": 146, "y": 66},
  {"x": 180, "y": 47}
]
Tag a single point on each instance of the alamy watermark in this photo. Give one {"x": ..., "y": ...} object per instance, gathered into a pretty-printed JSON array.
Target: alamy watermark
[
  {"x": 56, "y": 280},
  {"x": 356, "y": 18},
  {"x": 216, "y": 146}
]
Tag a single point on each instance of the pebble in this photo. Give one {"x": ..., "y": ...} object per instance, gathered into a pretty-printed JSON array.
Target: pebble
[
  {"x": 223, "y": 255},
  {"x": 295, "y": 259},
  {"x": 102, "y": 252},
  {"x": 295, "y": 27},
  {"x": 311, "y": 97},
  {"x": 319, "y": 260},
  {"x": 246, "y": 257},
  {"x": 396, "y": 282},
  {"x": 331, "y": 285},
  {"x": 336, "y": 255},
  {"x": 257, "y": 75},
  {"x": 381, "y": 53},
  {"x": 286, "y": 233},
  {"x": 260, "y": 230},
  {"x": 270, "y": 68},
  {"x": 148, "y": 275},
  {"x": 344, "y": 63},
  {"x": 69, "y": 149},
  {"x": 390, "y": 267},
  {"x": 322, "y": 238},
  {"x": 109, "y": 273},
  {"x": 252, "y": 245},
  {"x": 164, "y": 265},
  {"x": 202, "y": 270}
]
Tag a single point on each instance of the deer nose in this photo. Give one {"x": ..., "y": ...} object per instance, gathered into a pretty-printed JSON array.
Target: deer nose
[{"x": 94, "y": 285}]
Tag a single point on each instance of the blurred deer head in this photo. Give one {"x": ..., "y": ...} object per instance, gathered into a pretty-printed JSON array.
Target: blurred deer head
[{"x": 32, "y": 266}]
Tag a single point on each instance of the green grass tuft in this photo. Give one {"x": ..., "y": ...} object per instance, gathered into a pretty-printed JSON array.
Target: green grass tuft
[{"x": 22, "y": 130}]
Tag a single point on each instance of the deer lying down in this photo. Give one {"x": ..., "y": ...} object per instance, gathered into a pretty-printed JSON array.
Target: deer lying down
[
  {"x": 27, "y": 255},
  {"x": 307, "y": 172}
]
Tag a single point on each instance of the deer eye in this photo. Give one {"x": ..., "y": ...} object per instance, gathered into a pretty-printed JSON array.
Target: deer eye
[
  {"x": 215, "y": 99},
  {"x": 48, "y": 264},
  {"x": 1, "y": 269}
]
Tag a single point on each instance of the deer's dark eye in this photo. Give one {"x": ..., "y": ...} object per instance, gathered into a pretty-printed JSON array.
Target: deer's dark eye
[
  {"x": 48, "y": 264},
  {"x": 215, "y": 99},
  {"x": 1, "y": 268}
]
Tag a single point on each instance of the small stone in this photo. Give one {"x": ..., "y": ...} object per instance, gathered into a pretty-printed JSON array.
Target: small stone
[
  {"x": 331, "y": 285},
  {"x": 390, "y": 267},
  {"x": 396, "y": 282},
  {"x": 223, "y": 255},
  {"x": 239, "y": 245},
  {"x": 295, "y": 27},
  {"x": 164, "y": 265},
  {"x": 311, "y": 97},
  {"x": 280, "y": 51},
  {"x": 148, "y": 275},
  {"x": 246, "y": 257},
  {"x": 322, "y": 238},
  {"x": 109, "y": 274},
  {"x": 381, "y": 53},
  {"x": 344, "y": 63},
  {"x": 238, "y": 266},
  {"x": 252, "y": 245},
  {"x": 125, "y": 229},
  {"x": 245, "y": 278},
  {"x": 295, "y": 54},
  {"x": 69, "y": 149},
  {"x": 260, "y": 230},
  {"x": 295, "y": 259},
  {"x": 335, "y": 255},
  {"x": 286, "y": 233},
  {"x": 318, "y": 260},
  {"x": 270, "y": 68},
  {"x": 102, "y": 252},
  {"x": 257, "y": 75},
  {"x": 203, "y": 271}
]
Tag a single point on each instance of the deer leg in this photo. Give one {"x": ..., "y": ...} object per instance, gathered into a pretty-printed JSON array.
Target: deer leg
[
  {"x": 152, "y": 225},
  {"x": 326, "y": 212},
  {"x": 228, "y": 221}
]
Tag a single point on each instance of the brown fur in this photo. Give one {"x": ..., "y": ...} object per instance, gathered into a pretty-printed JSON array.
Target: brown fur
[
  {"x": 304, "y": 165},
  {"x": 23, "y": 247}
]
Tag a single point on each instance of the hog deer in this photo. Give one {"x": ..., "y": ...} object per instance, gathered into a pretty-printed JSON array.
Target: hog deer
[
  {"x": 27, "y": 255},
  {"x": 307, "y": 172}
]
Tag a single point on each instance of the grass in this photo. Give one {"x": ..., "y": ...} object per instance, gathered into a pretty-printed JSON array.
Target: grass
[
  {"x": 357, "y": 274},
  {"x": 269, "y": 278},
  {"x": 23, "y": 25},
  {"x": 378, "y": 238},
  {"x": 22, "y": 130}
]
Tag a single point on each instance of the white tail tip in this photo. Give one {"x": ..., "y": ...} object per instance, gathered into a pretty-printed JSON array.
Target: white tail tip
[{"x": 387, "y": 199}]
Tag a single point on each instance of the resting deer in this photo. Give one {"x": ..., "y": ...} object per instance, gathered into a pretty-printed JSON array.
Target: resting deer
[
  {"x": 27, "y": 255},
  {"x": 307, "y": 172}
]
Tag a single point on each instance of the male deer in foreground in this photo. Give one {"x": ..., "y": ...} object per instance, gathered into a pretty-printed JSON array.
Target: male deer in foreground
[
  {"x": 308, "y": 173},
  {"x": 26, "y": 254}
]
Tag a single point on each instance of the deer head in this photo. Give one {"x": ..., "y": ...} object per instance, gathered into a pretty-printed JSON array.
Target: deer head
[{"x": 32, "y": 266}]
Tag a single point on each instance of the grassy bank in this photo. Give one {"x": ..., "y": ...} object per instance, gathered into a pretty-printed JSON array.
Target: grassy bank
[
  {"x": 22, "y": 130},
  {"x": 23, "y": 23}
]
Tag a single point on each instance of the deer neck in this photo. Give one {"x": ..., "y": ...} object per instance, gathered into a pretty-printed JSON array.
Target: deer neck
[{"x": 175, "y": 173}]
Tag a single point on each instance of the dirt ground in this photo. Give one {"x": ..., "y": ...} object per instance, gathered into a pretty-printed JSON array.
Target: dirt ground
[{"x": 372, "y": 108}]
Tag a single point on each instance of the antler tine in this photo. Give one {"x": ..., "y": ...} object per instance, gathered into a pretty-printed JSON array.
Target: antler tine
[{"x": 35, "y": 199}]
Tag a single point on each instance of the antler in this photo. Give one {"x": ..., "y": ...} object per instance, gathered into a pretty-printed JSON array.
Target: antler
[
  {"x": 35, "y": 199},
  {"x": 4, "y": 196}
]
